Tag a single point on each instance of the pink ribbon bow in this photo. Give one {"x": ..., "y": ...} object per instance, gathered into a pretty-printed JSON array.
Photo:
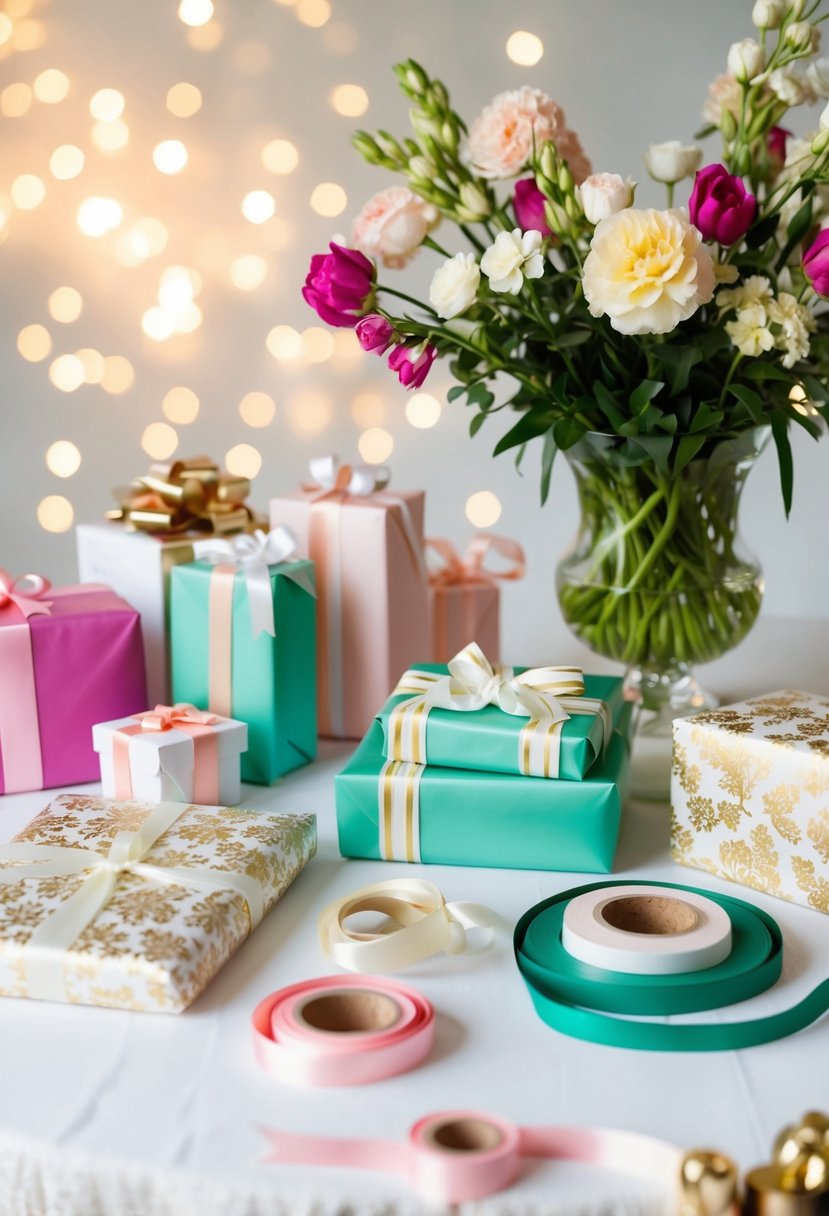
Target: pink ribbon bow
[
  {"x": 168, "y": 717},
  {"x": 27, "y": 599},
  {"x": 185, "y": 717},
  {"x": 470, "y": 568}
]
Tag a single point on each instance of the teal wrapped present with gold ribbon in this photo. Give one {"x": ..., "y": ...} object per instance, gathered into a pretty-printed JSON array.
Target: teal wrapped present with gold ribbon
[
  {"x": 243, "y": 639},
  {"x": 536, "y": 722},
  {"x": 393, "y": 810}
]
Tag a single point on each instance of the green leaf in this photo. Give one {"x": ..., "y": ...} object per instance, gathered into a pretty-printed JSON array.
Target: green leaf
[
  {"x": 686, "y": 450},
  {"x": 608, "y": 405},
  {"x": 678, "y": 360},
  {"x": 548, "y": 455},
  {"x": 780, "y": 431},
  {"x": 567, "y": 432},
  {"x": 476, "y": 423},
  {"x": 808, "y": 422},
  {"x": 643, "y": 393},
  {"x": 706, "y": 418},
  {"x": 750, "y": 400},
  {"x": 758, "y": 369},
  {"x": 457, "y": 390},
  {"x": 528, "y": 426},
  {"x": 815, "y": 389},
  {"x": 707, "y": 130},
  {"x": 658, "y": 447},
  {"x": 574, "y": 337},
  {"x": 799, "y": 225},
  {"x": 480, "y": 395},
  {"x": 761, "y": 232}
]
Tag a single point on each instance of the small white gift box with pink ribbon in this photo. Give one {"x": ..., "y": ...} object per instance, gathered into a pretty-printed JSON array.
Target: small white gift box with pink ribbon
[{"x": 174, "y": 753}]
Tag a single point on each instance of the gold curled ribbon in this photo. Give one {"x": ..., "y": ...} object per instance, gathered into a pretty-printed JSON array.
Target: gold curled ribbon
[
  {"x": 546, "y": 696},
  {"x": 182, "y": 496},
  {"x": 796, "y": 1182}
]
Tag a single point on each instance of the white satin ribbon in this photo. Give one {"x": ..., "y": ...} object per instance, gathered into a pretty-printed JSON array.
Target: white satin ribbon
[
  {"x": 419, "y": 923},
  {"x": 43, "y": 953},
  {"x": 252, "y": 553}
]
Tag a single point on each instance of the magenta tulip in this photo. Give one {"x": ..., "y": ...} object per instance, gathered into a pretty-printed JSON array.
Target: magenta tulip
[
  {"x": 720, "y": 206},
  {"x": 412, "y": 372},
  {"x": 528, "y": 205},
  {"x": 375, "y": 333},
  {"x": 816, "y": 263},
  {"x": 776, "y": 144},
  {"x": 340, "y": 285}
]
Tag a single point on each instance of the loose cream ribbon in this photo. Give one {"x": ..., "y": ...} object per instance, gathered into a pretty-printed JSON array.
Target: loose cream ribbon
[
  {"x": 419, "y": 923},
  {"x": 547, "y": 696},
  {"x": 43, "y": 953}
]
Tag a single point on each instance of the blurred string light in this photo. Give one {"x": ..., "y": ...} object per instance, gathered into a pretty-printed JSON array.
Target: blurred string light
[
  {"x": 243, "y": 460},
  {"x": 317, "y": 344},
  {"x": 97, "y": 216},
  {"x": 65, "y": 304},
  {"x": 27, "y": 191},
  {"x": 63, "y": 458},
  {"x": 170, "y": 156},
  {"x": 308, "y": 411},
  {"x": 67, "y": 373},
  {"x": 195, "y": 12},
  {"x": 328, "y": 199},
  {"x": 284, "y": 343},
  {"x": 147, "y": 238},
  {"x": 51, "y": 86},
  {"x": 159, "y": 440},
  {"x": 206, "y": 37},
  {"x": 34, "y": 343},
  {"x": 350, "y": 100},
  {"x": 66, "y": 162},
  {"x": 313, "y": 13},
  {"x": 55, "y": 513},
  {"x": 368, "y": 409},
  {"x": 15, "y": 100},
  {"x": 483, "y": 509},
  {"x": 118, "y": 374},
  {"x": 6, "y": 28},
  {"x": 257, "y": 409},
  {"x": 524, "y": 48},
  {"x": 110, "y": 136},
  {"x": 280, "y": 156},
  {"x": 375, "y": 445},
  {"x": 93, "y": 364},
  {"x": 181, "y": 405},
  {"x": 423, "y": 410},
  {"x": 248, "y": 271},
  {"x": 258, "y": 206},
  {"x": 107, "y": 104},
  {"x": 176, "y": 311},
  {"x": 184, "y": 100}
]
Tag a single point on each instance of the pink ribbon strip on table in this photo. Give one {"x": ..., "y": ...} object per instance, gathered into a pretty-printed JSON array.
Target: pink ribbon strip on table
[
  {"x": 20, "y": 598},
  {"x": 195, "y": 722},
  {"x": 469, "y": 571},
  {"x": 458, "y": 1156},
  {"x": 296, "y": 1052}
]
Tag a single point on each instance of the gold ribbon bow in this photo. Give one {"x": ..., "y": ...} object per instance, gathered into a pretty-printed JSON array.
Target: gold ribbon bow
[
  {"x": 796, "y": 1183},
  {"x": 167, "y": 717},
  {"x": 184, "y": 495},
  {"x": 470, "y": 568},
  {"x": 546, "y": 696}
]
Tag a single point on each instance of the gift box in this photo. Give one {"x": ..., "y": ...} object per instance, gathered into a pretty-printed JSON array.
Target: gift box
[
  {"x": 465, "y": 595},
  {"x": 136, "y": 906},
  {"x": 150, "y": 532},
  {"x": 391, "y": 810},
  {"x": 367, "y": 545},
  {"x": 69, "y": 657},
  {"x": 557, "y": 726},
  {"x": 174, "y": 753},
  {"x": 243, "y": 634},
  {"x": 750, "y": 794}
]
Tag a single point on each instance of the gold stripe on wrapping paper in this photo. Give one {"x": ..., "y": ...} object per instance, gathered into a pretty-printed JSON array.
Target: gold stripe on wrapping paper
[
  {"x": 386, "y": 777},
  {"x": 524, "y": 746},
  {"x": 410, "y": 794},
  {"x": 398, "y": 795},
  {"x": 547, "y": 748}
]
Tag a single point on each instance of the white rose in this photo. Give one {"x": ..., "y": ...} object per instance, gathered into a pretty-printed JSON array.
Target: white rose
[
  {"x": 767, "y": 14},
  {"x": 515, "y": 256},
  {"x": 803, "y": 36},
  {"x": 787, "y": 86},
  {"x": 455, "y": 285},
  {"x": 671, "y": 161},
  {"x": 746, "y": 59},
  {"x": 603, "y": 194},
  {"x": 817, "y": 75}
]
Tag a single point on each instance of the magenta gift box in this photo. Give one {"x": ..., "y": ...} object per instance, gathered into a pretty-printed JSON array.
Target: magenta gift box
[{"x": 79, "y": 662}]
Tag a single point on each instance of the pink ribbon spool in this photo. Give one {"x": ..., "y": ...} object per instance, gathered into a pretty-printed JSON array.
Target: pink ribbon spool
[
  {"x": 342, "y": 1030},
  {"x": 457, "y": 1156}
]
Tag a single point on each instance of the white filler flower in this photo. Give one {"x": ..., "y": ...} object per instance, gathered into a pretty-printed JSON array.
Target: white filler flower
[{"x": 515, "y": 256}]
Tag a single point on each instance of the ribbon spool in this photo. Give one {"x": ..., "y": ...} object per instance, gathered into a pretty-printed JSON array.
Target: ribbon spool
[
  {"x": 342, "y": 1031},
  {"x": 458, "y": 1156},
  {"x": 579, "y": 999}
]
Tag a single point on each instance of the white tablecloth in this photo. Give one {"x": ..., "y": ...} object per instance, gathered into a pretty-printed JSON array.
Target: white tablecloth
[{"x": 103, "y": 1111}]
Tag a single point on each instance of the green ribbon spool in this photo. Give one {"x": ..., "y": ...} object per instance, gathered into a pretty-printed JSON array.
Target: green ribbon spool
[{"x": 580, "y": 1000}]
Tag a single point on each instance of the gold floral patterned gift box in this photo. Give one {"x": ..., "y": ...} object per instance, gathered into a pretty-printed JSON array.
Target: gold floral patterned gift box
[
  {"x": 750, "y": 795},
  {"x": 135, "y": 905}
]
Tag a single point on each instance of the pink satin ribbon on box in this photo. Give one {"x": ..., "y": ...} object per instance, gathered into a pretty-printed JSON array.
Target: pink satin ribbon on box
[
  {"x": 333, "y": 486},
  {"x": 458, "y": 1156},
  {"x": 194, "y": 722},
  {"x": 20, "y": 598},
  {"x": 467, "y": 572},
  {"x": 296, "y": 1053}
]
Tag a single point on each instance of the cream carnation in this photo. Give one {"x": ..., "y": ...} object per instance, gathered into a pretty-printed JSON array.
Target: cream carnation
[
  {"x": 455, "y": 285},
  {"x": 647, "y": 271},
  {"x": 501, "y": 138},
  {"x": 724, "y": 93},
  {"x": 392, "y": 225}
]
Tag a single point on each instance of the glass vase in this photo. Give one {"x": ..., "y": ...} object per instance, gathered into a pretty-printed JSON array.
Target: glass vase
[{"x": 658, "y": 578}]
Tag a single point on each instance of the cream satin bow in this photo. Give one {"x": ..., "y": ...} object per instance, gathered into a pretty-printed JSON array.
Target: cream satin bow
[
  {"x": 473, "y": 683},
  {"x": 359, "y": 480},
  {"x": 252, "y": 553}
]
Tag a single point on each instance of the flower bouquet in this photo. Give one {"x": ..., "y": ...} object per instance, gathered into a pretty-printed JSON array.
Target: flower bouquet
[{"x": 659, "y": 349}]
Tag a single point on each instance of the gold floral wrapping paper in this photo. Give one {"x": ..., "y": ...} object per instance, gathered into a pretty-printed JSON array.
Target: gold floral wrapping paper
[
  {"x": 750, "y": 795},
  {"x": 151, "y": 947}
]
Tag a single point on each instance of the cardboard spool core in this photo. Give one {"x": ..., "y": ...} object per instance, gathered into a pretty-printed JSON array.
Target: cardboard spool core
[
  {"x": 464, "y": 1136},
  {"x": 350, "y": 1011},
  {"x": 649, "y": 914}
]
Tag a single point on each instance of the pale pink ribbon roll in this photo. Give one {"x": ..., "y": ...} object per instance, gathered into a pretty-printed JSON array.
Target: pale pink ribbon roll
[
  {"x": 457, "y": 1156},
  {"x": 20, "y": 598},
  {"x": 316, "y": 1033},
  {"x": 467, "y": 572},
  {"x": 195, "y": 722}
]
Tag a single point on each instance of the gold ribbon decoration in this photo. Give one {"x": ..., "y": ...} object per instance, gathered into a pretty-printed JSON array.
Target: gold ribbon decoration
[
  {"x": 708, "y": 1184},
  {"x": 796, "y": 1183},
  {"x": 546, "y": 696},
  {"x": 182, "y": 496}
]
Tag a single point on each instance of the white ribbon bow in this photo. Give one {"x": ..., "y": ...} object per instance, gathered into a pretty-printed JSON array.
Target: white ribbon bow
[
  {"x": 43, "y": 953},
  {"x": 252, "y": 553},
  {"x": 357, "y": 479}
]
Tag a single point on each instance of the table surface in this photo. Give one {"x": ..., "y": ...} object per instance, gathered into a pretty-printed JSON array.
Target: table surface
[{"x": 103, "y": 1111}]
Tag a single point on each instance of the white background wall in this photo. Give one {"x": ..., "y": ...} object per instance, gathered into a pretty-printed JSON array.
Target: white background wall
[{"x": 628, "y": 73}]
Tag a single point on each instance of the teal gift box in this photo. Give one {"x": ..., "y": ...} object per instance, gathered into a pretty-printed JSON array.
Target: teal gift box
[
  {"x": 492, "y": 741},
  {"x": 220, "y": 663},
  {"x": 393, "y": 810}
]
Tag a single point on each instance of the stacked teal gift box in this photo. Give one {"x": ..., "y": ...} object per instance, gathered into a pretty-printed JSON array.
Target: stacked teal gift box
[{"x": 528, "y": 769}]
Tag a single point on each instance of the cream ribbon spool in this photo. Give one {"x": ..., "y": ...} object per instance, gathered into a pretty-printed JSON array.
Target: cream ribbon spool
[
  {"x": 642, "y": 930},
  {"x": 419, "y": 923}
]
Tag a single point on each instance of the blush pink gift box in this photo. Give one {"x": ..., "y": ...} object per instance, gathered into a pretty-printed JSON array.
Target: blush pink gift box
[
  {"x": 69, "y": 657},
  {"x": 372, "y": 592}
]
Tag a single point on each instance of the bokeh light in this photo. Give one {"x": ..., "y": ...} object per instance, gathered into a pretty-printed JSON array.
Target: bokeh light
[
  {"x": 284, "y": 343},
  {"x": 280, "y": 156},
  {"x": 66, "y": 373},
  {"x": 107, "y": 104},
  {"x": 181, "y": 405},
  {"x": 118, "y": 374},
  {"x": 195, "y": 12},
  {"x": 51, "y": 86},
  {"x": 170, "y": 156},
  {"x": 159, "y": 440},
  {"x": 110, "y": 136},
  {"x": 15, "y": 100},
  {"x": 157, "y": 324},
  {"x": 65, "y": 304},
  {"x": 93, "y": 364},
  {"x": 63, "y": 458},
  {"x": 248, "y": 271},
  {"x": 243, "y": 460},
  {"x": 423, "y": 410},
  {"x": 28, "y": 35},
  {"x": 483, "y": 509},
  {"x": 27, "y": 191},
  {"x": 66, "y": 162},
  {"x": 350, "y": 100},
  {"x": 277, "y": 234},
  {"x": 375, "y": 445},
  {"x": 184, "y": 100},
  {"x": 317, "y": 344},
  {"x": 524, "y": 48},
  {"x": 258, "y": 206},
  {"x": 314, "y": 13},
  {"x": 98, "y": 216},
  {"x": 309, "y": 411},
  {"x": 55, "y": 513},
  {"x": 257, "y": 409},
  {"x": 368, "y": 409},
  {"x": 329, "y": 199},
  {"x": 145, "y": 239},
  {"x": 251, "y": 58},
  {"x": 6, "y": 28},
  {"x": 347, "y": 350},
  {"x": 206, "y": 37},
  {"x": 34, "y": 343}
]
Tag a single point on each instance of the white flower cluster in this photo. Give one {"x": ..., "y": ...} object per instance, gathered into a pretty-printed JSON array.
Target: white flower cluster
[
  {"x": 765, "y": 322},
  {"x": 514, "y": 257}
]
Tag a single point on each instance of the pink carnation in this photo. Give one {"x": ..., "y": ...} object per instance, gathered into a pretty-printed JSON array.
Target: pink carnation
[
  {"x": 501, "y": 138},
  {"x": 392, "y": 225}
]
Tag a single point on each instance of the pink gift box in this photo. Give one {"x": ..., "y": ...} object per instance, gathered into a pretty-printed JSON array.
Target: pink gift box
[
  {"x": 464, "y": 613},
  {"x": 372, "y": 596},
  {"x": 70, "y": 658}
]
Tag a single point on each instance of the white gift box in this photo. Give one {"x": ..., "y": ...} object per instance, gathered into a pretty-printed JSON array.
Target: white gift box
[
  {"x": 162, "y": 763},
  {"x": 137, "y": 567}
]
